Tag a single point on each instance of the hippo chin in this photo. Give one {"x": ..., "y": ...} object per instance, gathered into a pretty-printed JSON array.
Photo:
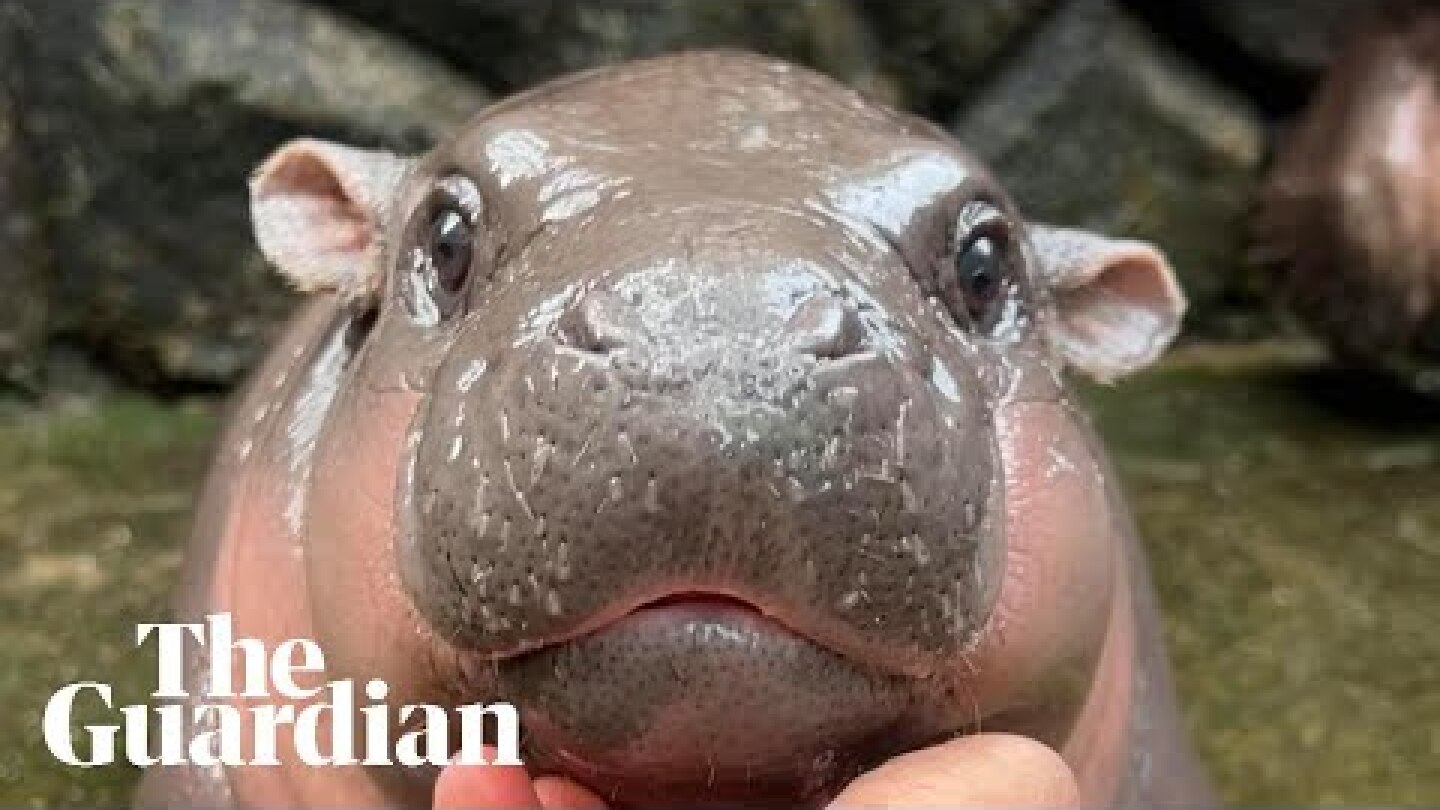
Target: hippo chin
[{"x": 714, "y": 417}]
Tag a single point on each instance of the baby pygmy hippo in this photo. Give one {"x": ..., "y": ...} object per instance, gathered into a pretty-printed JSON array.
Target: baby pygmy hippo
[{"x": 714, "y": 417}]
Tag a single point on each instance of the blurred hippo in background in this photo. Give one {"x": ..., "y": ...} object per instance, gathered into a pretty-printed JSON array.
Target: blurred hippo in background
[
  {"x": 712, "y": 415},
  {"x": 1352, "y": 209}
]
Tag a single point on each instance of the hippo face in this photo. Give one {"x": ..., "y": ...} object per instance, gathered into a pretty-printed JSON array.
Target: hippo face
[{"x": 686, "y": 407}]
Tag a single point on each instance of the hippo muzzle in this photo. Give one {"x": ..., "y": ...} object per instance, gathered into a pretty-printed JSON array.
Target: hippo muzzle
[{"x": 711, "y": 463}]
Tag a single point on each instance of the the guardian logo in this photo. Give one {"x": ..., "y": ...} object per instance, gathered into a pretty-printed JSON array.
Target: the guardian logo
[{"x": 218, "y": 725}]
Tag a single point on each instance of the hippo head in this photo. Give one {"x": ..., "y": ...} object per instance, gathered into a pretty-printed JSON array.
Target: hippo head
[{"x": 712, "y": 416}]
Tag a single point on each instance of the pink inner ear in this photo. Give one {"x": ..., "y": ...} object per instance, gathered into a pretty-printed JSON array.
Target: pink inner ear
[
  {"x": 1121, "y": 313},
  {"x": 317, "y": 214},
  {"x": 1137, "y": 281}
]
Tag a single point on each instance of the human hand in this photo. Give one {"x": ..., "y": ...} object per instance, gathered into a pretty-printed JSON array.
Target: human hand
[{"x": 981, "y": 770}]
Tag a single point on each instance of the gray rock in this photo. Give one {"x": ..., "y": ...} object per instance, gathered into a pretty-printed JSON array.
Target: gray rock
[
  {"x": 23, "y": 272},
  {"x": 1273, "y": 51},
  {"x": 1094, "y": 125},
  {"x": 1298, "y": 36},
  {"x": 512, "y": 44},
  {"x": 147, "y": 117},
  {"x": 938, "y": 51}
]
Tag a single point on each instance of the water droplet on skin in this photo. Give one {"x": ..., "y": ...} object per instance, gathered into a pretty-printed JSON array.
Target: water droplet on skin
[
  {"x": 470, "y": 376},
  {"x": 920, "y": 549},
  {"x": 907, "y": 496},
  {"x": 562, "y": 561},
  {"x": 543, "y": 449},
  {"x": 797, "y": 490}
]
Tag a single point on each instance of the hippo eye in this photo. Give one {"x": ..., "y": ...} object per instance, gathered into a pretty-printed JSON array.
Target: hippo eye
[
  {"x": 449, "y": 244},
  {"x": 982, "y": 267},
  {"x": 443, "y": 250}
]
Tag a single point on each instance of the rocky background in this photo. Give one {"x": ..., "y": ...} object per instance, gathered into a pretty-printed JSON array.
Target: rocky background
[{"x": 127, "y": 129}]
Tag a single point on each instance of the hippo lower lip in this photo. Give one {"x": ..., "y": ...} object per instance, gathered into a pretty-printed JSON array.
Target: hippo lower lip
[{"x": 697, "y": 687}]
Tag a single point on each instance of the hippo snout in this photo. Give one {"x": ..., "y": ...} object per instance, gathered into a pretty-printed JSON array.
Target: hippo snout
[{"x": 723, "y": 474}]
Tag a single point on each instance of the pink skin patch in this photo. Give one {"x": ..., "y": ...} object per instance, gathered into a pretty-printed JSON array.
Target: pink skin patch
[{"x": 1063, "y": 603}]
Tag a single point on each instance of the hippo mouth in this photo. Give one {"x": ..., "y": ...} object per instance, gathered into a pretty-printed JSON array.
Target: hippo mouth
[
  {"x": 680, "y": 605},
  {"x": 715, "y": 599},
  {"x": 699, "y": 694}
]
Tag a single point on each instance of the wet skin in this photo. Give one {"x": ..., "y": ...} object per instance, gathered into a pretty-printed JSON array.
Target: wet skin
[{"x": 714, "y": 417}]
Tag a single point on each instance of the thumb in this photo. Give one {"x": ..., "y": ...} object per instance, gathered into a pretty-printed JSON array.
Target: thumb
[
  {"x": 980, "y": 770},
  {"x": 481, "y": 787}
]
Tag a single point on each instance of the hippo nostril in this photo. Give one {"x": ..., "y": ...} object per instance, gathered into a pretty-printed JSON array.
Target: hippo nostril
[
  {"x": 825, "y": 326},
  {"x": 600, "y": 323}
]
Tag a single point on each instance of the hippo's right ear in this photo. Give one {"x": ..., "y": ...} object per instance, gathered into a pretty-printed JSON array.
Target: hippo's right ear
[
  {"x": 1118, "y": 304},
  {"x": 319, "y": 210}
]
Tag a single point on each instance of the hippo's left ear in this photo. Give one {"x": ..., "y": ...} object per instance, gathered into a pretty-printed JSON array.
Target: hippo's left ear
[
  {"x": 319, "y": 211},
  {"x": 1118, "y": 303}
]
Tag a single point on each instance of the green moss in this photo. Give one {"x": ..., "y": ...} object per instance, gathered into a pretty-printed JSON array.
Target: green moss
[
  {"x": 94, "y": 506},
  {"x": 1292, "y": 517}
]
